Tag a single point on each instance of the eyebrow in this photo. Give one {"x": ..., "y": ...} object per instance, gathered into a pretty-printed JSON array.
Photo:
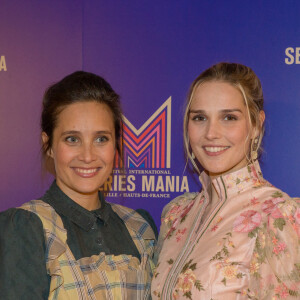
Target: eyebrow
[
  {"x": 79, "y": 132},
  {"x": 197, "y": 111}
]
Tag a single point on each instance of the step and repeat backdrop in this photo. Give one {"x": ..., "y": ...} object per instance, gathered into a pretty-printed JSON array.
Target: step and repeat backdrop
[{"x": 150, "y": 52}]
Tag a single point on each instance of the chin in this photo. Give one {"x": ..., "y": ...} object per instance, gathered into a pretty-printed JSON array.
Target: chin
[
  {"x": 217, "y": 171},
  {"x": 87, "y": 188},
  {"x": 87, "y": 192}
]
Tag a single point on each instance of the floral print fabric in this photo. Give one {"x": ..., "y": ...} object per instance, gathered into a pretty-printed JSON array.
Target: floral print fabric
[{"x": 247, "y": 248}]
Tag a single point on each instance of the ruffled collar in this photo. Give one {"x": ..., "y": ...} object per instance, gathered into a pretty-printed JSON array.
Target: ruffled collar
[{"x": 233, "y": 183}]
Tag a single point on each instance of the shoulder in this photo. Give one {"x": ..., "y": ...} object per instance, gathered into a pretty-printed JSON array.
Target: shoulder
[
  {"x": 271, "y": 210},
  {"x": 281, "y": 209},
  {"x": 19, "y": 227},
  {"x": 23, "y": 256},
  {"x": 179, "y": 202},
  {"x": 123, "y": 212},
  {"x": 134, "y": 220},
  {"x": 126, "y": 213},
  {"x": 272, "y": 198},
  {"x": 147, "y": 216},
  {"x": 175, "y": 210},
  {"x": 32, "y": 218},
  {"x": 18, "y": 218}
]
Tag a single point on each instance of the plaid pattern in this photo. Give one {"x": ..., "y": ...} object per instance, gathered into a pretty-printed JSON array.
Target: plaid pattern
[{"x": 99, "y": 276}]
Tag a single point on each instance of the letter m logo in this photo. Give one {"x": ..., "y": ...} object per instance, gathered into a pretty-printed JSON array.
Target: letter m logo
[{"x": 149, "y": 146}]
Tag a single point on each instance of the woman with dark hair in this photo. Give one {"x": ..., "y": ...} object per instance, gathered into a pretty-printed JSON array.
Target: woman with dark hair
[
  {"x": 71, "y": 243},
  {"x": 239, "y": 237}
]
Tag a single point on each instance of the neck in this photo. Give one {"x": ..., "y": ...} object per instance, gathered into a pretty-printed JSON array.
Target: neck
[{"x": 89, "y": 201}]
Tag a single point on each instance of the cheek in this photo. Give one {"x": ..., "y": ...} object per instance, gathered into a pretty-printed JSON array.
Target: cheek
[
  {"x": 239, "y": 137},
  {"x": 62, "y": 156},
  {"x": 194, "y": 134},
  {"x": 107, "y": 153},
  {"x": 236, "y": 135}
]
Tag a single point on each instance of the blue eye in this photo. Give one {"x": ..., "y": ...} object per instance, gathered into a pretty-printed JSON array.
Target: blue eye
[{"x": 71, "y": 139}]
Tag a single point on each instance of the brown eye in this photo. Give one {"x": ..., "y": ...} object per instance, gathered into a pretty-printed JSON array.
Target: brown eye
[
  {"x": 199, "y": 118},
  {"x": 230, "y": 118}
]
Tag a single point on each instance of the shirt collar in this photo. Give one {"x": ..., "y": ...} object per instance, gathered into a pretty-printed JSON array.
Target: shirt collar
[
  {"x": 76, "y": 213},
  {"x": 235, "y": 182}
]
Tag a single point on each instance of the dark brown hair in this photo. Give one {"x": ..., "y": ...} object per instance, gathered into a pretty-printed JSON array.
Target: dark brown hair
[{"x": 79, "y": 86}]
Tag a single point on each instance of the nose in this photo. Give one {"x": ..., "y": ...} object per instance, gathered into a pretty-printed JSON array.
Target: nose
[
  {"x": 87, "y": 153},
  {"x": 213, "y": 130}
]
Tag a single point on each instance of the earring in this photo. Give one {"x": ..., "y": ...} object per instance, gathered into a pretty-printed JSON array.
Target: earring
[
  {"x": 254, "y": 149},
  {"x": 193, "y": 155}
]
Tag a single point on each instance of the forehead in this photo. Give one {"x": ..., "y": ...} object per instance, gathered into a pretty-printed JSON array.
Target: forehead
[
  {"x": 218, "y": 95},
  {"x": 86, "y": 115}
]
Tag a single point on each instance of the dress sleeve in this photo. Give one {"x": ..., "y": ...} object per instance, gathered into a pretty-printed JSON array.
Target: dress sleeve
[
  {"x": 23, "y": 273},
  {"x": 162, "y": 233},
  {"x": 275, "y": 265},
  {"x": 164, "y": 227}
]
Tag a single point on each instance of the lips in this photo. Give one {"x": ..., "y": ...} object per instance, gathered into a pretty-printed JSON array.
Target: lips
[
  {"x": 86, "y": 172},
  {"x": 215, "y": 150}
]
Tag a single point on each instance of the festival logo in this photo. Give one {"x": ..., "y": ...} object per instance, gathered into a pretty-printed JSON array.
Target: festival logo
[
  {"x": 150, "y": 146},
  {"x": 147, "y": 160}
]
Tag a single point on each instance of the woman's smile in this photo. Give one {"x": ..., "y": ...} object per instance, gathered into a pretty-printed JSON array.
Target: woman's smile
[
  {"x": 83, "y": 148},
  {"x": 215, "y": 150},
  {"x": 218, "y": 127},
  {"x": 86, "y": 172}
]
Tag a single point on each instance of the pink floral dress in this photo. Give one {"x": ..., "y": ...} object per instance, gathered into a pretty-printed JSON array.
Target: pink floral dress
[{"x": 247, "y": 248}]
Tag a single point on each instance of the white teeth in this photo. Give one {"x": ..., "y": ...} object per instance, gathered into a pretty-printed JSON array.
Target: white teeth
[
  {"x": 85, "y": 171},
  {"x": 215, "y": 149}
]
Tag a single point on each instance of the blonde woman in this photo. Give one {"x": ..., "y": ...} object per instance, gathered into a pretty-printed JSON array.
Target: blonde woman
[{"x": 238, "y": 238}]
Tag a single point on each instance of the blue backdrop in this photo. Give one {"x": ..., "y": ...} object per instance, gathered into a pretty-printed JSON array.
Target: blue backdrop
[{"x": 149, "y": 52}]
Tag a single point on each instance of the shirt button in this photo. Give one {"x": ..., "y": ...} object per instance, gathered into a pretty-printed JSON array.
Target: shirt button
[{"x": 99, "y": 241}]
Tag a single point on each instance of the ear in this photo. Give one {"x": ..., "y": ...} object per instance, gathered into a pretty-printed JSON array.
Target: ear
[
  {"x": 262, "y": 118},
  {"x": 257, "y": 130},
  {"x": 45, "y": 140}
]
